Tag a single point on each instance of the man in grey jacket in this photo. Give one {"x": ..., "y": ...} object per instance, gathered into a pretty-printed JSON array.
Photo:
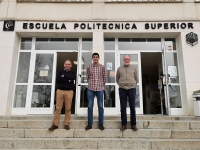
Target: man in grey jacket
[{"x": 127, "y": 79}]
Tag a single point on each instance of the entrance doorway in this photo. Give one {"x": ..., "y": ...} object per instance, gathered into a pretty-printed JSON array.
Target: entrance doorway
[
  {"x": 61, "y": 57},
  {"x": 151, "y": 67}
]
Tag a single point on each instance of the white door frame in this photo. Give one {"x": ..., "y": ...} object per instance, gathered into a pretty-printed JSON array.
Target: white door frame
[
  {"x": 27, "y": 109},
  {"x": 44, "y": 110},
  {"x": 41, "y": 110},
  {"x": 78, "y": 109},
  {"x": 170, "y": 111},
  {"x": 83, "y": 110}
]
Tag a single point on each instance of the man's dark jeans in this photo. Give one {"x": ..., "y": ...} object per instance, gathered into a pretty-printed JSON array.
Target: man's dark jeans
[{"x": 124, "y": 96}]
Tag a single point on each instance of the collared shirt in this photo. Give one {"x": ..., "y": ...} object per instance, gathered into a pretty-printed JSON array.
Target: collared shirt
[
  {"x": 67, "y": 70},
  {"x": 96, "y": 77}
]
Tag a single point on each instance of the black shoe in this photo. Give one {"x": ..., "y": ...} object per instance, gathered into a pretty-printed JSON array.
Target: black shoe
[
  {"x": 134, "y": 128},
  {"x": 67, "y": 127},
  {"x": 123, "y": 127},
  {"x": 53, "y": 127},
  {"x": 88, "y": 127},
  {"x": 101, "y": 127}
]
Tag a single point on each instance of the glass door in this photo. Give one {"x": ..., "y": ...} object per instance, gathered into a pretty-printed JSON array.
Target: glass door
[
  {"x": 135, "y": 60},
  {"x": 110, "y": 105},
  {"x": 165, "y": 78},
  {"x": 42, "y": 83},
  {"x": 171, "y": 80}
]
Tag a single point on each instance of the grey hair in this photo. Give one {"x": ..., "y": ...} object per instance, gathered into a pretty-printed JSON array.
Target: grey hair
[{"x": 127, "y": 55}]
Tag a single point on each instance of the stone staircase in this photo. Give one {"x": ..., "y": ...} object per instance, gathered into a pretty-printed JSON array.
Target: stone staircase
[{"x": 154, "y": 132}]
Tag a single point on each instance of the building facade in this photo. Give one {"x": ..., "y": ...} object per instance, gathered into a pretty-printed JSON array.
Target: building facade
[{"x": 161, "y": 36}]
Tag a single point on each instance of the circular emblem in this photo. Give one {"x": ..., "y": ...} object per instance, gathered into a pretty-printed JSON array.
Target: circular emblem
[
  {"x": 8, "y": 25},
  {"x": 192, "y": 38}
]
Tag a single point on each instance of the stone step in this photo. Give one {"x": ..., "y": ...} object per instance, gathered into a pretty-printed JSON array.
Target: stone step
[
  {"x": 96, "y": 133},
  {"x": 99, "y": 143},
  {"x": 185, "y": 134},
  {"x": 109, "y": 124},
  {"x": 175, "y": 144},
  {"x": 82, "y": 133},
  {"x": 115, "y": 117}
]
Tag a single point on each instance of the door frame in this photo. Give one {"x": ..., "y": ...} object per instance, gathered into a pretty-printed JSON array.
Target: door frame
[
  {"x": 78, "y": 109},
  {"x": 28, "y": 110},
  {"x": 41, "y": 110},
  {"x": 153, "y": 51},
  {"x": 83, "y": 110},
  {"x": 171, "y": 111}
]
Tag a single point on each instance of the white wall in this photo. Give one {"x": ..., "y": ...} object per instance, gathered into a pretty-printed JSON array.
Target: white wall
[
  {"x": 190, "y": 71},
  {"x": 8, "y": 61},
  {"x": 98, "y": 10}
]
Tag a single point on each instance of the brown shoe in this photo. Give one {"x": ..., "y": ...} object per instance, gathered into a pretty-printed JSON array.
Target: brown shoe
[
  {"x": 123, "y": 127},
  {"x": 88, "y": 127},
  {"x": 53, "y": 127},
  {"x": 67, "y": 127},
  {"x": 134, "y": 128},
  {"x": 101, "y": 127}
]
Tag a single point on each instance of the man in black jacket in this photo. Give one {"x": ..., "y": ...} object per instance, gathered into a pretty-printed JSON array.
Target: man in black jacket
[{"x": 64, "y": 94}]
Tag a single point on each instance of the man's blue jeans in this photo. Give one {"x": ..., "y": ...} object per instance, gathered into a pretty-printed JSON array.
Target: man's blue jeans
[{"x": 91, "y": 94}]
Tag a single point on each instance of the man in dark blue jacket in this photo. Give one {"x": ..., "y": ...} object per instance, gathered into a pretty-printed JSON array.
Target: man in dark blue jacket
[{"x": 64, "y": 94}]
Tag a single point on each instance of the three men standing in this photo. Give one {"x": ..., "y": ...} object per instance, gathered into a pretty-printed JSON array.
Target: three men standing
[
  {"x": 96, "y": 77},
  {"x": 127, "y": 79},
  {"x": 64, "y": 94}
]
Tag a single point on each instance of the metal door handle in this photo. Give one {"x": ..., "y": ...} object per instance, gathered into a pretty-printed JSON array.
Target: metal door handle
[{"x": 78, "y": 79}]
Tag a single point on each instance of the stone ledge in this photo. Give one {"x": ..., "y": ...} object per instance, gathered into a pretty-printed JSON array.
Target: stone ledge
[
  {"x": 84, "y": 117},
  {"x": 144, "y": 1},
  {"x": 124, "y": 143},
  {"x": 109, "y": 124},
  {"x": 44, "y": 133},
  {"x": 9, "y": 133},
  {"x": 178, "y": 144},
  {"x": 99, "y": 143},
  {"x": 3, "y": 124},
  {"x": 54, "y": 1},
  {"x": 75, "y": 124},
  {"x": 194, "y": 125},
  {"x": 148, "y": 134},
  {"x": 167, "y": 125},
  {"x": 96, "y": 133},
  {"x": 185, "y": 134}
]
